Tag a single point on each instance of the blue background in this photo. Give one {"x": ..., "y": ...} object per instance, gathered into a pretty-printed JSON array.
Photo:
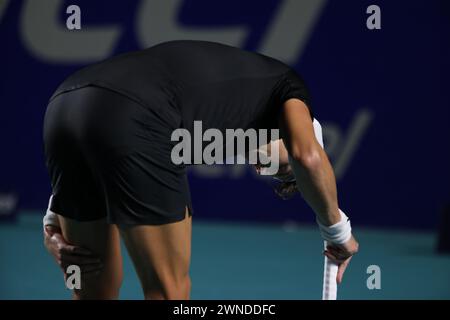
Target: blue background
[{"x": 398, "y": 174}]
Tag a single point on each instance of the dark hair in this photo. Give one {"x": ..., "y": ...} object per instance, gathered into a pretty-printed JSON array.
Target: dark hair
[{"x": 286, "y": 190}]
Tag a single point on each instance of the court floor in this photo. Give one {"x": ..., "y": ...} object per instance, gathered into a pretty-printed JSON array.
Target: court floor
[{"x": 247, "y": 261}]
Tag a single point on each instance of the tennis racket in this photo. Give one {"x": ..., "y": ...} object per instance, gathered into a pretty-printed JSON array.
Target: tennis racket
[{"x": 330, "y": 269}]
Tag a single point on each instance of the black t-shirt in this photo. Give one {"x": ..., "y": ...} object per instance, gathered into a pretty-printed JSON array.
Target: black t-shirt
[{"x": 223, "y": 86}]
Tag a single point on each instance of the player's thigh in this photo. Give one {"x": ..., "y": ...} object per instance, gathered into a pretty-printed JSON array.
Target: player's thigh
[
  {"x": 161, "y": 255},
  {"x": 102, "y": 239}
]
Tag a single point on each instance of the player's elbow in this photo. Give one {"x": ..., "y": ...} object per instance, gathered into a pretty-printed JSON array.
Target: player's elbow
[{"x": 310, "y": 159}]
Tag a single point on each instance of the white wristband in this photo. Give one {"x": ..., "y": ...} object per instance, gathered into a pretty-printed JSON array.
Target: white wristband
[
  {"x": 338, "y": 233},
  {"x": 50, "y": 218}
]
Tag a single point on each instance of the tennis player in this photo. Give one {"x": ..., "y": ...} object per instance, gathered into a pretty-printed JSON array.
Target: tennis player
[{"x": 107, "y": 138}]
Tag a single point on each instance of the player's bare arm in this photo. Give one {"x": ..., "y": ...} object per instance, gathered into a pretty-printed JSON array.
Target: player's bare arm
[{"x": 314, "y": 176}]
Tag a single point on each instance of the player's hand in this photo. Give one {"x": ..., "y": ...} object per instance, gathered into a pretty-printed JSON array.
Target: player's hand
[
  {"x": 342, "y": 254},
  {"x": 66, "y": 254}
]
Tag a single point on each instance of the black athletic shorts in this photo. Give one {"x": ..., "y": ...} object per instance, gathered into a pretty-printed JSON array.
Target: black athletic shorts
[{"x": 109, "y": 156}]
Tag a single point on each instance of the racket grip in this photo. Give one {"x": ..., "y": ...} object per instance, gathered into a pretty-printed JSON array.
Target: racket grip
[{"x": 330, "y": 269}]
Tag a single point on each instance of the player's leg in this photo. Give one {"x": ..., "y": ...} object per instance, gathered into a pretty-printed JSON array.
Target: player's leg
[
  {"x": 78, "y": 195},
  {"x": 145, "y": 193},
  {"x": 128, "y": 149},
  {"x": 104, "y": 241},
  {"x": 161, "y": 256},
  {"x": 82, "y": 215}
]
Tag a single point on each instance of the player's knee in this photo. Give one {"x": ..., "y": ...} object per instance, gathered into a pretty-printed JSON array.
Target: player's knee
[
  {"x": 178, "y": 289},
  {"x": 99, "y": 293},
  {"x": 169, "y": 289},
  {"x": 99, "y": 287}
]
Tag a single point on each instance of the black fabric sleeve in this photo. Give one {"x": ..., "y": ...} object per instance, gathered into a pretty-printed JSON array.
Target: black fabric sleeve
[{"x": 293, "y": 86}]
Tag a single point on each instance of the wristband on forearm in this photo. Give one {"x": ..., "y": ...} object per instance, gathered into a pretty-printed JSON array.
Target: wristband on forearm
[
  {"x": 338, "y": 233},
  {"x": 50, "y": 218}
]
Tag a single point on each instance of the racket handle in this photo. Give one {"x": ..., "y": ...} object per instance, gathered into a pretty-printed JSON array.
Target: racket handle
[{"x": 330, "y": 269}]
